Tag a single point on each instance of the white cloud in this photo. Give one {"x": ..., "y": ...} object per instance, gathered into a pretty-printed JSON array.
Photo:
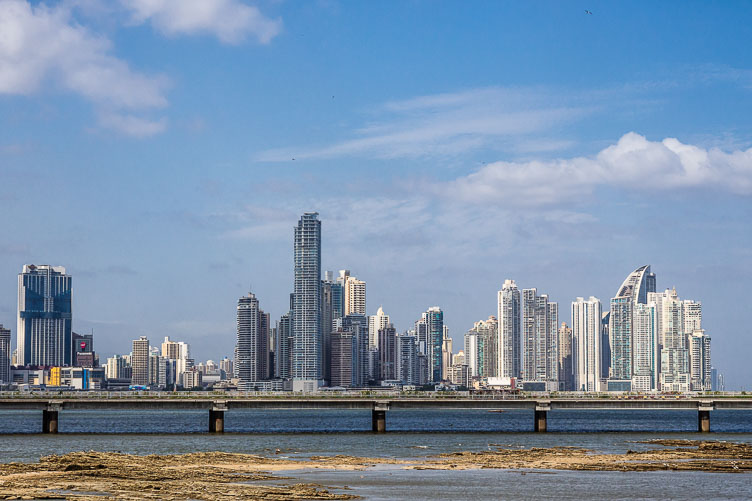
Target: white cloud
[
  {"x": 450, "y": 124},
  {"x": 133, "y": 125},
  {"x": 633, "y": 163},
  {"x": 39, "y": 44},
  {"x": 231, "y": 21}
]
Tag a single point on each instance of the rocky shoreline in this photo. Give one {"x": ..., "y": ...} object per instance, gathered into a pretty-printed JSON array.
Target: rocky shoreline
[{"x": 219, "y": 475}]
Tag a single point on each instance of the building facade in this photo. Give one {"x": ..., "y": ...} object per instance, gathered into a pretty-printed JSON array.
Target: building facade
[
  {"x": 45, "y": 312},
  {"x": 140, "y": 362},
  {"x": 306, "y": 356},
  {"x": 509, "y": 331},
  {"x": 586, "y": 340}
]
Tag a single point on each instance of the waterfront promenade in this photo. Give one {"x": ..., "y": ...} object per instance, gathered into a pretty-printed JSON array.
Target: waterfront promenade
[{"x": 378, "y": 402}]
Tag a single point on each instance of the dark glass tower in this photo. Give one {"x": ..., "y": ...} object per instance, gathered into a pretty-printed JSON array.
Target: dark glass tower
[{"x": 44, "y": 316}]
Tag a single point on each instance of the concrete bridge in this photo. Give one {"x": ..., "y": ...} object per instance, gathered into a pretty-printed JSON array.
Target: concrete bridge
[{"x": 217, "y": 407}]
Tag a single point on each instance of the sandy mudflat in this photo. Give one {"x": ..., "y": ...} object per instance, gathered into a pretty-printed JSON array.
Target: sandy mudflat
[{"x": 219, "y": 475}]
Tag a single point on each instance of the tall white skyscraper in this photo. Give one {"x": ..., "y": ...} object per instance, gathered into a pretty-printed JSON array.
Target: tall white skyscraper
[
  {"x": 306, "y": 366},
  {"x": 676, "y": 320},
  {"x": 586, "y": 340},
  {"x": 376, "y": 323},
  {"x": 700, "y": 367},
  {"x": 508, "y": 356},
  {"x": 44, "y": 335},
  {"x": 645, "y": 352}
]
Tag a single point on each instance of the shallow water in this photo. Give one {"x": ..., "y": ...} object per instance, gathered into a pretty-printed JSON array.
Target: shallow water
[{"x": 410, "y": 434}]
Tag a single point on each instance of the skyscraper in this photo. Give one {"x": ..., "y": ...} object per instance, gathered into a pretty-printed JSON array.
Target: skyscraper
[
  {"x": 4, "y": 355},
  {"x": 388, "y": 352},
  {"x": 140, "y": 362},
  {"x": 566, "y": 372},
  {"x": 434, "y": 321},
  {"x": 375, "y": 323},
  {"x": 283, "y": 345},
  {"x": 508, "y": 355},
  {"x": 307, "y": 340},
  {"x": 673, "y": 340},
  {"x": 44, "y": 316},
  {"x": 252, "y": 350},
  {"x": 407, "y": 369},
  {"x": 586, "y": 340},
  {"x": 701, "y": 370},
  {"x": 645, "y": 358},
  {"x": 446, "y": 353},
  {"x": 354, "y": 292},
  {"x": 540, "y": 319},
  {"x": 633, "y": 290}
]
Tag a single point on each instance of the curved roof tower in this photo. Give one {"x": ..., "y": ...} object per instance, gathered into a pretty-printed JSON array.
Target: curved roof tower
[{"x": 638, "y": 284}]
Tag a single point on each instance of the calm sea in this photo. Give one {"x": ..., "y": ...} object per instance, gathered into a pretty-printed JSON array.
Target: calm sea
[{"x": 410, "y": 434}]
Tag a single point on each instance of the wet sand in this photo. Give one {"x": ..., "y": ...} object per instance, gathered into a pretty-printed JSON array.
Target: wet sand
[{"x": 218, "y": 475}]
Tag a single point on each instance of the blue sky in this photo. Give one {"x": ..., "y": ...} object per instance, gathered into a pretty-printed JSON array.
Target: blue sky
[{"x": 148, "y": 145}]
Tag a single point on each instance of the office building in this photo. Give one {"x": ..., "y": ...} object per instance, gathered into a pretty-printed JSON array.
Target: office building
[
  {"x": 44, "y": 335},
  {"x": 306, "y": 367},
  {"x": 283, "y": 347},
  {"x": 586, "y": 340},
  {"x": 509, "y": 331},
  {"x": 140, "y": 362},
  {"x": 5, "y": 355}
]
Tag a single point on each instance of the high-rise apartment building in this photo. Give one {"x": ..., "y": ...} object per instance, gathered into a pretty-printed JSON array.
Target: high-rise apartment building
[
  {"x": 376, "y": 323},
  {"x": 5, "y": 355},
  {"x": 44, "y": 335},
  {"x": 634, "y": 290},
  {"x": 354, "y": 292},
  {"x": 283, "y": 345},
  {"x": 433, "y": 320},
  {"x": 481, "y": 348},
  {"x": 586, "y": 340},
  {"x": 357, "y": 324},
  {"x": 645, "y": 357},
  {"x": 701, "y": 371},
  {"x": 140, "y": 362},
  {"x": 566, "y": 371},
  {"x": 407, "y": 369},
  {"x": 306, "y": 367},
  {"x": 252, "y": 348},
  {"x": 540, "y": 319},
  {"x": 446, "y": 354},
  {"x": 673, "y": 317},
  {"x": 387, "y": 337},
  {"x": 508, "y": 339}
]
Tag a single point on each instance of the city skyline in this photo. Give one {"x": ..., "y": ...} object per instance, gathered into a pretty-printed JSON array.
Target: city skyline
[
  {"x": 647, "y": 341},
  {"x": 448, "y": 149}
]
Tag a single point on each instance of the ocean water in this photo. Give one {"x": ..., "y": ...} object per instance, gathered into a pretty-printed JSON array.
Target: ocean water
[{"x": 411, "y": 433}]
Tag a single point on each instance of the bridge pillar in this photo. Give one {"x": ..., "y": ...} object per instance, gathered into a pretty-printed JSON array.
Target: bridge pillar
[
  {"x": 378, "y": 417},
  {"x": 49, "y": 417},
  {"x": 703, "y": 415},
  {"x": 541, "y": 413},
  {"x": 217, "y": 417}
]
